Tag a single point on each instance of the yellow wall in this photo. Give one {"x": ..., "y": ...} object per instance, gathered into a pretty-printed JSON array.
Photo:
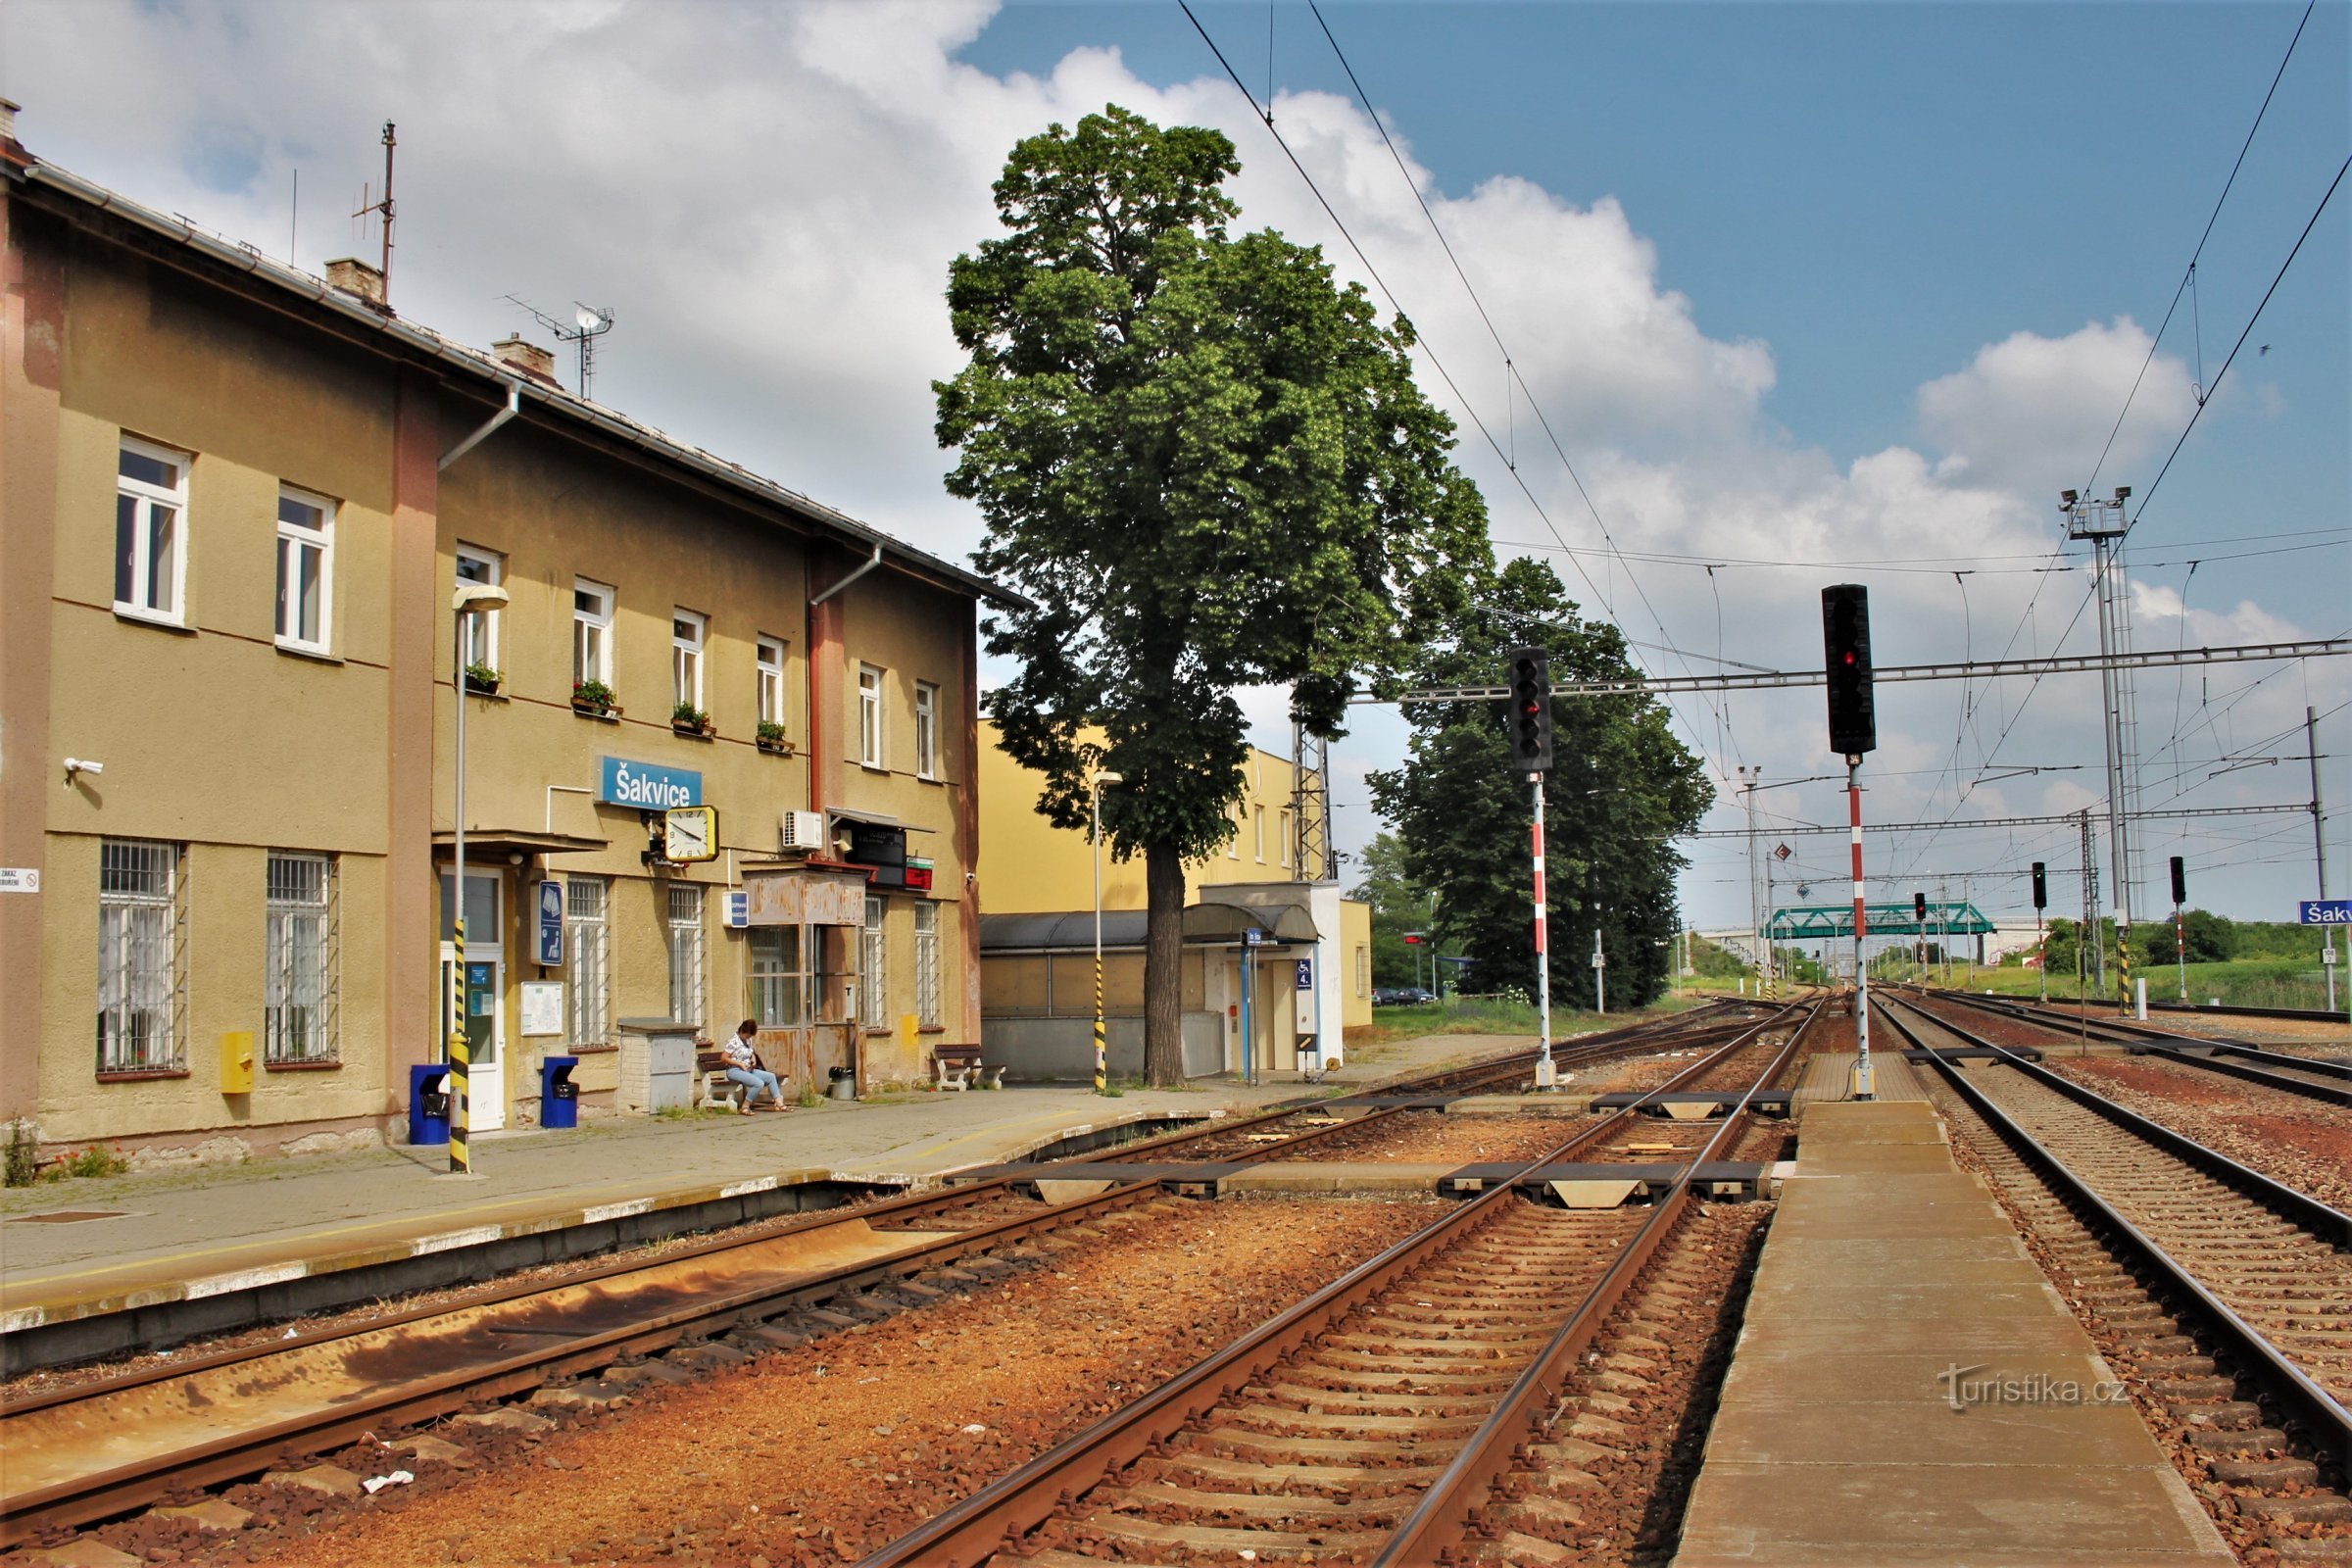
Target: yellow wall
[
  {"x": 1034, "y": 868},
  {"x": 1356, "y": 951}
]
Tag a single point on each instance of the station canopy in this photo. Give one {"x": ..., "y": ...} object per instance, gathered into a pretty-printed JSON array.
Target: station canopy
[{"x": 1953, "y": 919}]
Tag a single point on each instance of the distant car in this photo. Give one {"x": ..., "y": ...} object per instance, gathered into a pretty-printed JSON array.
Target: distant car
[{"x": 1400, "y": 997}]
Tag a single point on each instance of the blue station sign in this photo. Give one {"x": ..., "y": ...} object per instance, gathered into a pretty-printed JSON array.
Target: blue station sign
[
  {"x": 647, "y": 787},
  {"x": 2326, "y": 911}
]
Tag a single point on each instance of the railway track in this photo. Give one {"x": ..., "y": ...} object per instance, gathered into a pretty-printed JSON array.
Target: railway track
[
  {"x": 2181, "y": 1362},
  {"x": 2315, "y": 1079},
  {"x": 2267, "y": 1264},
  {"x": 99, "y": 1449},
  {"x": 1373, "y": 1422}
]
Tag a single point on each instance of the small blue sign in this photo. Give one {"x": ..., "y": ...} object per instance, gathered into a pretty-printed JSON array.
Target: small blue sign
[
  {"x": 1306, "y": 974},
  {"x": 646, "y": 787},
  {"x": 1252, "y": 937},
  {"x": 551, "y": 923},
  {"x": 2326, "y": 911}
]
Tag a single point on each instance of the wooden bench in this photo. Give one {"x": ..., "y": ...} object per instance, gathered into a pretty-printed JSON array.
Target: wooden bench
[
  {"x": 720, "y": 1092},
  {"x": 955, "y": 1066}
]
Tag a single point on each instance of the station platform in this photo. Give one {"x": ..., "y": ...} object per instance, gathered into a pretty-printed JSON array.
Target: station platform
[
  {"x": 1829, "y": 1077},
  {"x": 94, "y": 1265},
  {"x": 1909, "y": 1390}
]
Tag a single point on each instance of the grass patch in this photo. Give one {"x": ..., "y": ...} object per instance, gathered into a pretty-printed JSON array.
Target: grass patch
[{"x": 2238, "y": 982}]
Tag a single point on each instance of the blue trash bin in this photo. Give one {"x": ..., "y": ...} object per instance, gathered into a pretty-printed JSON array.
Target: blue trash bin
[
  {"x": 559, "y": 1095},
  {"x": 428, "y": 1104}
]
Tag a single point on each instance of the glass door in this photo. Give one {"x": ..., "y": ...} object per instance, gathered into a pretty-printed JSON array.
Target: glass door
[{"x": 483, "y": 1002}]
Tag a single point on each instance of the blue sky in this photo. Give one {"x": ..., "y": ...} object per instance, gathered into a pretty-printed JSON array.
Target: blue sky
[{"x": 1810, "y": 292}]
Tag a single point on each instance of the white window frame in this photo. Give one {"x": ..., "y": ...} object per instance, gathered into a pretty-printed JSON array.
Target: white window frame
[
  {"x": 873, "y": 965},
  {"x": 300, "y": 1012},
  {"x": 926, "y": 729},
  {"x": 142, "y": 948},
  {"x": 1257, "y": 821},
  {"x": 1285, "y": 829},
  {"x": 689, "y": 637},
  {"x": 1233, "y": 839},
  {"x": 1364, "y": 970},
  {"x": 870, "y": 735},
  {"x": 926, "y": 964},
  {"x": 592, "y": 630},
  {"x": 145, "y": 496},
  {"x": 772, "y": 680},
  {"x": 293, "y": 540},
  {"x": 686, "y": 953},
  {"x": 588, "y": 960},
  {"x": 480, "y": 637},
  {"x": 776, "y": 984}
]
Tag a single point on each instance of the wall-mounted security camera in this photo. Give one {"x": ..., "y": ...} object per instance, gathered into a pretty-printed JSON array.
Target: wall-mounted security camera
[{"x": 75, "y": 765}]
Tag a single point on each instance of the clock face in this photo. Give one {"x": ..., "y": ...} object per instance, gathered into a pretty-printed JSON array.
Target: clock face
[{"x": 690, "y": 833}]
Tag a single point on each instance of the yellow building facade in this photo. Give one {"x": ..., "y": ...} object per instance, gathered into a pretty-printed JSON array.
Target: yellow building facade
[
  {"x": 1309, "y": 980},
  {"x": 235, "y": 505}
]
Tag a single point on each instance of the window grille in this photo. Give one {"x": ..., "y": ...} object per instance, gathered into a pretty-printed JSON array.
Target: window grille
[
  {"x": 686, "y": 955},
  {"x": 872, "y": 968},
  {"x": 926, "y": 964},
  {"x": 586, "y": 956},
  {"x": 142, "y": 931},
  {"x": 299, "y": 990}
]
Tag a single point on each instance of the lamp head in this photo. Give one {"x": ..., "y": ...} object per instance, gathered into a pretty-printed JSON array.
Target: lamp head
[
  {"x": 1110, "y": 778},
  {"x": 2066, "y": 498},
  {"x": 473, "y": 596}
]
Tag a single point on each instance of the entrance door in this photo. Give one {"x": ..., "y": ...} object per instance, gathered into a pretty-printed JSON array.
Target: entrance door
[{"x": 483, "y": 1002}]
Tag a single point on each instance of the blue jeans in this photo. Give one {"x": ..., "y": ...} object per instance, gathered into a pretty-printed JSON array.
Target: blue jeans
[{"x": 755, "y": 1080}]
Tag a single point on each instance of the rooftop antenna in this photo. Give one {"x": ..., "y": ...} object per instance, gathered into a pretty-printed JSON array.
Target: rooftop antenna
[
  {"x": 383, "y": 208},
  {"x": 588, "y": 324}
]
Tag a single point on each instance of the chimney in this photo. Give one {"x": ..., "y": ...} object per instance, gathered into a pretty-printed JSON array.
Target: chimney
[
  {"x": 355, "y": 277},
  {"x": 521, "y": 354},
  {"x": 8, "y": 119}
]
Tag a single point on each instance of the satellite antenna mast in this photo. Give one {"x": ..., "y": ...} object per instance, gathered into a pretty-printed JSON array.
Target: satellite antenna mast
[
  {"x": 382, "y": 209},
  {"x": 588, "y": 324}
]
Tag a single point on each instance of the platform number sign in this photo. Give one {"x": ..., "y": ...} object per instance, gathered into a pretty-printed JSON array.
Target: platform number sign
[{"x": 1306, "y": 974}]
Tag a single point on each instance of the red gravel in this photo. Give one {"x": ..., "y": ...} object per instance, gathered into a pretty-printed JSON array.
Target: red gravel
[{"x": 2302, "y": 1143}]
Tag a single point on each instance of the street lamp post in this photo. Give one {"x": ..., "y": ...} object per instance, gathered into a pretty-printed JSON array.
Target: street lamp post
[
  {"x": 1094, "y": 811},
  {"x": 471, "y": 599}
]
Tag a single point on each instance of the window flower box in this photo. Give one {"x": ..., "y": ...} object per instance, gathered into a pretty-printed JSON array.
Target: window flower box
[
  {"x": 688, "y": 720},
  {"x": 595, "y": 699},
  {"x": 483, "y": 681},
  {"x": 771, "y": 739}
]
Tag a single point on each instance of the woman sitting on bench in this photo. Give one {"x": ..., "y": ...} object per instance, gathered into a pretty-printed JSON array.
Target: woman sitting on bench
[{"x": 745, "y": 1067}]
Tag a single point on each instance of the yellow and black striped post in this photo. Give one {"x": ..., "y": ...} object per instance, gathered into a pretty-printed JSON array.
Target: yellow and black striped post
[
  {"x": 2122, "y": 967},
  {"x": 1102, "y": 1064},
  {"x": 461, "y": 1061}
]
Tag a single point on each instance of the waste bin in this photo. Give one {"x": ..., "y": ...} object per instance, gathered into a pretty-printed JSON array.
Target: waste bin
[
  {"x": 843, "y": 1083},
  {"x": 428, "y": 1104},
  {"x": 559, "y": 1095}
]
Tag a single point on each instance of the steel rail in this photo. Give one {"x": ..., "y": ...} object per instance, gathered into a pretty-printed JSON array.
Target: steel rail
[
  {"x": 2300, "y": 1208},
  {"x": 2326, "y": 1422},
  {"x": 1442, "y": 1516},
  {"x": 999, "y": 1515},
  {"x": 106, "y": 1494},
  {"x": 2233, "y": 1010},
  {"x": 2270, "y": 1068}
]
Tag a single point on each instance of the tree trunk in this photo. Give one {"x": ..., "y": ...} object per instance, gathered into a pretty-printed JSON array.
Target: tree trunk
[{"x": 1163, "y": 967}]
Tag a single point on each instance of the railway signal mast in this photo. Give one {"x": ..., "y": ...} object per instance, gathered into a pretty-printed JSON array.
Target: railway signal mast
[
  {"x": 2041, "y": 945},
  {"x": 1853, "y": 732},
  {"x": 1530, "y": 735}
]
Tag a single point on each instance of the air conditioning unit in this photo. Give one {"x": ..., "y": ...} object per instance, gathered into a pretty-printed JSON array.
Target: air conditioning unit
[{"x": 802, "y": 832}]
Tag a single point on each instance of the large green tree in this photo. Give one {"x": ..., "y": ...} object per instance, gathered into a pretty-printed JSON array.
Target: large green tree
[
  {"x": 1207, "y": 466},
  {"x": 1621, "y": 787},
  {"x": 1399, "y": 906}
]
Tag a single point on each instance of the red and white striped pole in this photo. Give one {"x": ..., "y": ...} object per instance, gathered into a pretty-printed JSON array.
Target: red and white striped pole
[
  {"x": 1863, "y": 1088},
  {"x": 1545, "y": 1077}
]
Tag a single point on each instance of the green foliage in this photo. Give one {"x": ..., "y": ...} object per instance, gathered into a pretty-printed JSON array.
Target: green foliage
[
  {"x": 482, "y": 678},
  {"x": 591, "y": 694},
  {"x": 1622, "y": 787},
  {"x": 1399, "y": 904},
  {"x": 1712, "y": 961},
  {"x": 1205, "y": 466},
  {"x": 807, "y": 1096},
  {"x": 23, "y": 1160},
  {"x": 688, "y": 715}
]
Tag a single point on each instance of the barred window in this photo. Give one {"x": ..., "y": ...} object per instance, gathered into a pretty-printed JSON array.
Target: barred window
[
  {"x": 299, "y": 993},
  {"x": 686, "y": 955},
  {"x": 141, "y": 937},
  {"x": 872, "y": 968},
  {"x": 586, "y": 965},
  {"x": 926, "y": 964},
  {"x": 772, "y": 992}
]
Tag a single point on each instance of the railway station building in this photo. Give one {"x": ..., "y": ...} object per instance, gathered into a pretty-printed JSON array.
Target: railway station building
[
  {"x": 1311, "y": 968},
  {"x": 237, "y": 503}
]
